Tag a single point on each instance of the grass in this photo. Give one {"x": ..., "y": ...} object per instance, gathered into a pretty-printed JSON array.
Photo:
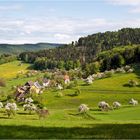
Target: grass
[
  {"x": 121, "y": 123},
  {"x": 61, "y": 124},
  {"x": 10, "y": 70}
]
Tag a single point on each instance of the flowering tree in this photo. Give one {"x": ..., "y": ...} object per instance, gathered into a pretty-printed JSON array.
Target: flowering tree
[
  {"x": 29, "y": 106},
  {"x": 11, "y": 108}
]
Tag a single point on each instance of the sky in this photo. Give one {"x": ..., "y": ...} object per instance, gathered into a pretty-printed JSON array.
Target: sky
[{"x": 63, "y": 21}]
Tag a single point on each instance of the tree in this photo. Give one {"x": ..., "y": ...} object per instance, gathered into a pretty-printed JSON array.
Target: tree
[
  {"x": 60, "y": 64},
  {"x": 94, "y": 67},
  {"x": 117, "y": 61}
]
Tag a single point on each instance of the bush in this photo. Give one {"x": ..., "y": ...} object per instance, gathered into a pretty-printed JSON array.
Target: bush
[
  {"x": 78, "y": 91},
  {"x": 126, "y": 68},
  {"x": 72, "y": 84},
  {"x": 59, "y": 94},
  {"x": 120, "y": 70},
  {"x": 108, "y": 74},
  {"x": 2, "y": 82},
  {"x": 133, "y": 83},
  {"x": 48, "y": 75},
  {"x": 75, "y": 82}
]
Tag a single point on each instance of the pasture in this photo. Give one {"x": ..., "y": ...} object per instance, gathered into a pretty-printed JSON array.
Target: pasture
[
  {"x": 10, "y": 70},
  {"x": 64, "y": 122}
]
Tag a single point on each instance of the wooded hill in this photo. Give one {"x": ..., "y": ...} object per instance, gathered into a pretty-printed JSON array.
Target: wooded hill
[
  {"x": 16, "y": 49},
  {"x": 86, "y": 50}
]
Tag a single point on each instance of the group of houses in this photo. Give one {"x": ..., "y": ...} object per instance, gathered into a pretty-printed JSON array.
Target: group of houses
[
  {"x": 29, "y": 87},
  {"x": 35, "y": 87}
]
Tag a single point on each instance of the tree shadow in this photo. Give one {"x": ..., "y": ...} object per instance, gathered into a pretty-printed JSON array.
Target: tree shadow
[
  {"x": 90, "y": 131},
  {"x": 5, "y": 117},
  {"x": 72, "y": 95},
  {"x": 24, "y": 113},
  {"x": 126, "y": 85},
  {"x": 85, "y": 84}
]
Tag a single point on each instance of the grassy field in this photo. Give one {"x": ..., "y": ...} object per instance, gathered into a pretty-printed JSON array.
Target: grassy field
[
  {"x": 64, "y": 123},
  {"x": 10, "y": 70}
]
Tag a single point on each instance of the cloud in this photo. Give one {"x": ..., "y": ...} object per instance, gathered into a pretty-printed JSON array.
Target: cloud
[
  {"x": 133, "y": 4},
  {"x": 55, "y": 30},
  {"x": 135, "y": 10},
  {"x": 10, "y": 7}
]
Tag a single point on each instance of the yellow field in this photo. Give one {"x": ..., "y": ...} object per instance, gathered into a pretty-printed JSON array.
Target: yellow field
[{"x": 10, "y": 70}]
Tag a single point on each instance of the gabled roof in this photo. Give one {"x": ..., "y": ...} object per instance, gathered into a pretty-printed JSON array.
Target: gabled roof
[
  {"x": 45, "y": 80},
  {"x": 37, "y": 85},
  {"x": 29, "y": 83},
  {"x": 66, "y": 77}
]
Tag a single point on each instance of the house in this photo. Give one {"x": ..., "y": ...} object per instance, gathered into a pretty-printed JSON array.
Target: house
[
  {"x": 29, "y": 84},
  {"x": 21, "y": 92},
  {"x": 46, "y": 82},
  {"x": 66, "y": 79},
  {"x": 36, "y": 87},
  {"x": 29, "y": 87}
]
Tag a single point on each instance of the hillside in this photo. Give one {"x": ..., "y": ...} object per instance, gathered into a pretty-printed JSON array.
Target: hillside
[
  {"x": 87, "y": 48},
  {"x": 11, "y": 69},
  {"x": 63, "y": 119},
  {"x": 16, "y": 49}
]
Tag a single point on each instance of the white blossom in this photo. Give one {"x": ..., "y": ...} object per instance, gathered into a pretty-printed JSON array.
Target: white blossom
[
  {"x": 83, "y": 108},
  {"x": 133, "y": 102},
  {"x": 59, "y": 87},
  {"x": 11, "y": 106},
  {"x": 29, "y": 107},
  {"x": 28, "y": 100},
  {"x": 116, "y": 104},
  {"x": 130, "y": 71},
  {"x": 103, "y": 105}
]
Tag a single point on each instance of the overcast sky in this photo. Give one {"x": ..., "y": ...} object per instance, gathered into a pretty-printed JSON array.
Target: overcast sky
[{"x": 62, "y": 21}]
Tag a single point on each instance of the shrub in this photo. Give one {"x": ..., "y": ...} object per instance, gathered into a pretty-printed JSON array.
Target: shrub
[
  {"x": 2, "y": 82},
  {"x": 130, "y": 71},
  {"x": 133, "y": 83},
  {"x": 108, "y": 74},
  {"x": 72, "y": 84},
  {"x": 83, "y": 108},
  {"x": 126, "y": 68},
  {"x": 75, "y": 82},
  {"x": 59, "y": 94},
  {"x": 11, "y": 108},
  {"x": 48, "y": 75},
  {"x": 77, "y": 92},
  {"x": 120, "y": 70}
]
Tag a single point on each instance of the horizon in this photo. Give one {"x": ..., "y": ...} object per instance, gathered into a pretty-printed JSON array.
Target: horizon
[
  {"x": 62, "y": 43},
  {"x": 59, "y": 21}
]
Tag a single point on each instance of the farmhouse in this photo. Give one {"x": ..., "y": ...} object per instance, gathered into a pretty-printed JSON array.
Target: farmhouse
[
  {"x": 29, "y": 87},
  {"x": 46, "y": 82},
  {"x": 66, "y": 79}
]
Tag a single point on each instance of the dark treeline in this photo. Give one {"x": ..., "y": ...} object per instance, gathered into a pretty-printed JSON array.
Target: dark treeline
[
  {"x": 84, "y": 51},
  {"x": 119, "y": 57},
  {"x": 4, "y": 58}
]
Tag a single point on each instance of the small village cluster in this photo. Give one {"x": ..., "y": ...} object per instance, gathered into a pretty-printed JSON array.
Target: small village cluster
[
  {"x": 104, "y": 106},
  {"x": 125, "y": 69},
  {"x": 36, "y": 87}
]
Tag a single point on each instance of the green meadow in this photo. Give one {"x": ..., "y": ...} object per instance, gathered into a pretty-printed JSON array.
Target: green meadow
[{"x": 63, "y": 120}]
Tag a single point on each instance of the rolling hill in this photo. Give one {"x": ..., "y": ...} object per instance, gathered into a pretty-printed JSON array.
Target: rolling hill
[
  {"x": 114, "y": 124},
  {"x": 16, "y": 49}
]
